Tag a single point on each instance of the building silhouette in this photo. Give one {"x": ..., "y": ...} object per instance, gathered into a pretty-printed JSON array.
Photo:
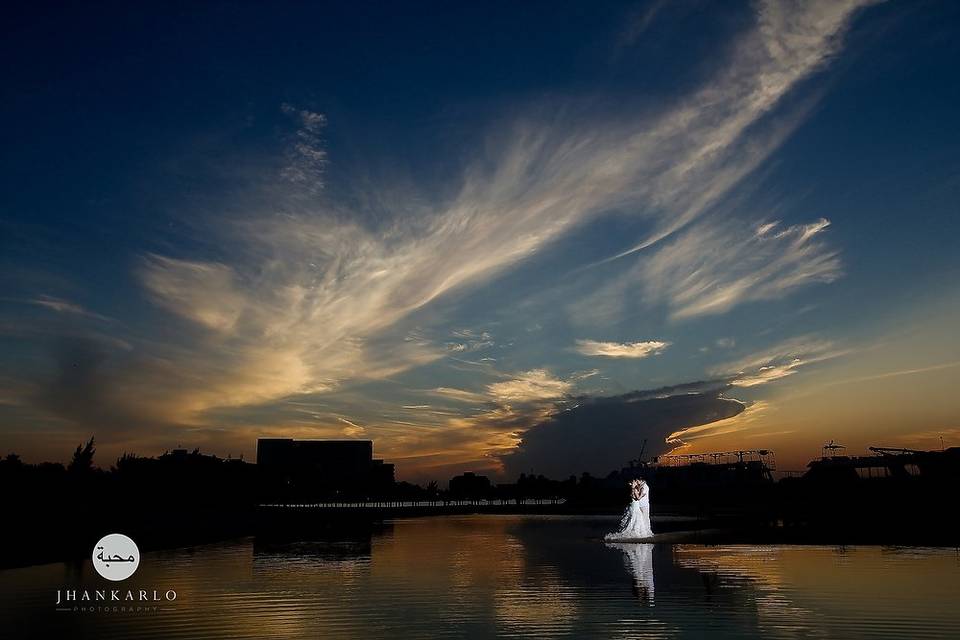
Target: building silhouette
[
  {"x": 293, "y": 470},
  {"x": 469, "y": 486}
]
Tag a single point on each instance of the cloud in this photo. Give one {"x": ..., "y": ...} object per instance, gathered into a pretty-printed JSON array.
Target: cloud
[
  {"x": 459, "y": 395},
  {"x": 638, "y": 23},
  {"x": 306, "y": 157},
  {"x": 896, "y": 374},
  {"x": 88, "y": 385},
  {"x": 699, "y": 140},
  {"x": 583, "y": 375},
  {"x": 621, "y": 349},
  {"x": 464, "y": 442},
  {"x": 599, "y": 435},
  {"x": 768, "y": 373},
  {"x": 530, "y": 386},
  {"x": 205, "y": 292},
  {"x": 308, "y": 287},
  {"x": 749, "y": 418},
  {"x": 484, "y": 436},
  {"x": 308, "y": 294},
  {"x": 469, "y": 340},
  {"x": 778, "y": 362},
  {"x": 711, "y": 268},
  {"x": 352, "y": 430},
  {"x": 64, "y": 306}
]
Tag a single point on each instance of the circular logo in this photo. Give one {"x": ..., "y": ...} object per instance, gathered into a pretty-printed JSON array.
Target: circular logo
[{"x": 116, "y": 557}]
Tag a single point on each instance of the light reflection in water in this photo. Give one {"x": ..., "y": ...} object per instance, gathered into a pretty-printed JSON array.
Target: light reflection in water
[
  {"x": 506, "y": 576},
  {"x": 639, "y": 561}
]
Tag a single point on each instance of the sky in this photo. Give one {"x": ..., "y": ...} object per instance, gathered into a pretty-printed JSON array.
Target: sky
[{"x": 491, "y": 237}]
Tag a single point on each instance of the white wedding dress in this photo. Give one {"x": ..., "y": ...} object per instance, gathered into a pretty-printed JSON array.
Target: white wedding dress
[{"x": 635, "y": 522}]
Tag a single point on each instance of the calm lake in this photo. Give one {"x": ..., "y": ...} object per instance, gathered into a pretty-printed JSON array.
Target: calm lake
[{"x": 482, "y": 576}]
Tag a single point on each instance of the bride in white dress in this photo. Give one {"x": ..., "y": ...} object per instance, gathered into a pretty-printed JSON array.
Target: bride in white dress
[{"x": 635, "y": 522}]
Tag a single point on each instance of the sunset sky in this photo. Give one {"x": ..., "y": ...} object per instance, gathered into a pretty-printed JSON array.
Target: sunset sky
[{"x": 489, "y": 237}]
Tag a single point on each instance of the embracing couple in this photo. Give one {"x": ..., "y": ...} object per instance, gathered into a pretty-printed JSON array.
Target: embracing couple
[{"x": 635, "y": 522}]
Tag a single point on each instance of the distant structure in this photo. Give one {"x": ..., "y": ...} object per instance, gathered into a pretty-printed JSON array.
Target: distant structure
[
  {"x": 831, "y": 450},
  {"x": 469, "y": 486},
  {"x": 715, "y": 469},
  {"x": 739, "y": 478},
  {"x": 942, "y": 467},
  {"x": 320, "y": 470}
]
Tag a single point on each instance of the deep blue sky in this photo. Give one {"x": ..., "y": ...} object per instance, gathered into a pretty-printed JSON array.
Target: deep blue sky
[{"x": 453, "y": 227}]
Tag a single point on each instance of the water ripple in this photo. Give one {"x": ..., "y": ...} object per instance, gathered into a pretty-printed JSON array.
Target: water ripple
[{"x": 509, "y": 577}]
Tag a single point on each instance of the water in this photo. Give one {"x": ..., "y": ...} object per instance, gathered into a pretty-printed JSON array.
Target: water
[{"x": 512, "y": 576}]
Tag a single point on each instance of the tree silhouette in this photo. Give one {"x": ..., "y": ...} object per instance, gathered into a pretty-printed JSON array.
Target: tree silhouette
[{"x": 82, "y": 461}]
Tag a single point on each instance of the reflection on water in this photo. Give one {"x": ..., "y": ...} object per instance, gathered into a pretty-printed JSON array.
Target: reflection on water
[
  {"x": 639, "y": 561},
  {"x": 504, "y": 575}
]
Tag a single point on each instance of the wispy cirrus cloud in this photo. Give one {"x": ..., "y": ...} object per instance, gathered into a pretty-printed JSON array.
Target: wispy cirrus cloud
[
  {"x": 901, "y": 372},
  {"x": 468, "y": 340},
  {"x": 459, "y": 395},
  {"x": 352, "y": 430},
  {"x": 311, "y": 286},
  {"x": 306, "y": 157},
  {"x": 779, "y": 361},
  {"x": 207, "y": 293},
  {"x": 308, "y": 294},
  {"x": 621, "y": 349},
  {"x": 699, "y": 141},
  {"x": 768, "y": 373},
  {"x": 530, "y": 386},
  {"x": 65, "y": 306},
  {"x": 711, "y": 268}
]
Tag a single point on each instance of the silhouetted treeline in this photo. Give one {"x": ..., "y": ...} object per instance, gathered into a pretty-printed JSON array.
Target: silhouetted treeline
[
  {"x": 896, "y": 496},
  {"x": 52, "y": 511},
  {"x": 532, "y": 487}
]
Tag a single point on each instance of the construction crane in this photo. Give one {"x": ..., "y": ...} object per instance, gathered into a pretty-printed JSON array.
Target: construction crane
[{"x": 639, "y": 459}]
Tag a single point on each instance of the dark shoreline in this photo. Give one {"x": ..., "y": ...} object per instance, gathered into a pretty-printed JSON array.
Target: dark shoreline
[{"x": 331, "y": 524}]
